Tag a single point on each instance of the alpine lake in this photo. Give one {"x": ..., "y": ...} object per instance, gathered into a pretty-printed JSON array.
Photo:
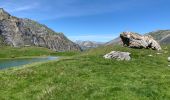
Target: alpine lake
[{"x": 19, "y": 62}]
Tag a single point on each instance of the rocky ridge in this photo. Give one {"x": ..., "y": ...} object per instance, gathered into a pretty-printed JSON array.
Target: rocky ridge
[{"x": 18, "y": 32}]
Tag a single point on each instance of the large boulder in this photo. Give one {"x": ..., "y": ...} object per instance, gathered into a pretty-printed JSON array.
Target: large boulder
[
  {"x": 135, "y": 40},
  {"x": 118, "y": 55}
]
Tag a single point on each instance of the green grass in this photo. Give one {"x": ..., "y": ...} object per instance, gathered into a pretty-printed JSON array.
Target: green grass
[
  {"x": 9, "y": 52},
  {"x": 87, "y": 76}
]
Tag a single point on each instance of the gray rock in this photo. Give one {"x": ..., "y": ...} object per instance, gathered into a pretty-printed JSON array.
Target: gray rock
[
  {"x": 169, "y": 59},
  {"x": 135, "y": 40},
  {"x": 158, "y": 53},
  {"x": 150, "y": 55},
  {"x": 19, "y": 32},
  {"x": 118, "y": 55}
]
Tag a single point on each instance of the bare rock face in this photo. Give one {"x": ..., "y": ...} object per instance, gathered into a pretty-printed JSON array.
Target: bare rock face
[
  {"x": 134, "y": 40},
  {"x": 118, "y": 55},
  {"x": 19, "y": 32}
]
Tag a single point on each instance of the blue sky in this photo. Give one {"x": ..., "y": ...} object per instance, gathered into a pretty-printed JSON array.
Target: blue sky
[{"x": 95, "y": 20}]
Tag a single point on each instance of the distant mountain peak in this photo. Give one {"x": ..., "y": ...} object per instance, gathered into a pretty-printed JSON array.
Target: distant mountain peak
[{"x": 88, "y": 44}]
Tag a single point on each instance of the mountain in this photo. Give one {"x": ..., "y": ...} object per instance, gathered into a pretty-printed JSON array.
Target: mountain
[
  {"x": 18, "y": 32},
  {"x": 88, "y": 44},
  {"x": 114, "y": 41},
  {"x": 163, "y": 36}
]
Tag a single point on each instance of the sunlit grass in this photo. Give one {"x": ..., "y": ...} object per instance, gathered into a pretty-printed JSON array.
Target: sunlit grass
[{"x": 87, "y": 75}]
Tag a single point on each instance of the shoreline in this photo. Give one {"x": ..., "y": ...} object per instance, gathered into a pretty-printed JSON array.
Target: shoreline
[
  {"x": 29, "y": 64},
  {"x": 27, "y": 57}
]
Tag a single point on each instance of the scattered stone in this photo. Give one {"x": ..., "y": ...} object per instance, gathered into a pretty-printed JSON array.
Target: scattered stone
[
  {"x": 165, "y": 48},
  {"x": 165, "y": 51},
  {"x": 158, "y": 53},
  {"x": 134, "y": 40},
  {"x": 150, "y": 55},
  {"x": 169, "y": 59},
  {"x": 118, "y": 55}
]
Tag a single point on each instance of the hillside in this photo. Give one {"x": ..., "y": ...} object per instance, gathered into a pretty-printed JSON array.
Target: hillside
[
  {"x": 89, "y": 76},
  {"x": 163, "y": 36},
  {"x": 18, "y": 32},
  {"x": 114, "y": 41}
]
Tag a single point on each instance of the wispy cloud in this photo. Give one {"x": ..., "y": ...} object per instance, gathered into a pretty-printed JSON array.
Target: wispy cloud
[
  {"x": 18, "y": 7},
  {"x": 77, "y": 8},
  {"x": 67, "y": 8},
  {"x": 24, "y": 8}
]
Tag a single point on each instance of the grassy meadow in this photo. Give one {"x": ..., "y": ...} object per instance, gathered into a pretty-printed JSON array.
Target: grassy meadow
[
  {"x": 88, "y": 76},
  {"x": 9, "y": 52}
]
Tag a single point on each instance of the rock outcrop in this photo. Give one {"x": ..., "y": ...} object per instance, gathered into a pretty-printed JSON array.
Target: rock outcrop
[
  {"x": 135, "y": 40},
  {"x": 162, "y": 36},
  {"x": 118, "y": 55},
  {"x": 19, "y": 32}
]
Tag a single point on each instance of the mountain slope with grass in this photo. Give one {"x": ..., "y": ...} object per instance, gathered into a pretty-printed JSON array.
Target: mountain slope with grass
[
  {"x": 163, "y": 36},
  {"x": 89, "y": 76},
  {"x": 114, "y": 41},
  {"x": 18, "y": 32}
]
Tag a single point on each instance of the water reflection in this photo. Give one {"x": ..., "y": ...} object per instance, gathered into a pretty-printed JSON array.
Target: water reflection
[{"x": 7, "y": 63}]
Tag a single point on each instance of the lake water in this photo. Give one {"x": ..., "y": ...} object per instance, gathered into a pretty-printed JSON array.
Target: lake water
[{"x": 7, "y": 63}]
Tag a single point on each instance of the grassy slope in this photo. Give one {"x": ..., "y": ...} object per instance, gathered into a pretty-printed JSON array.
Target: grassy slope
[
  {"x": 158, "y": 35},
  {"x": 90, "y": 76},
  {"x": 9, "y": 52}
]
